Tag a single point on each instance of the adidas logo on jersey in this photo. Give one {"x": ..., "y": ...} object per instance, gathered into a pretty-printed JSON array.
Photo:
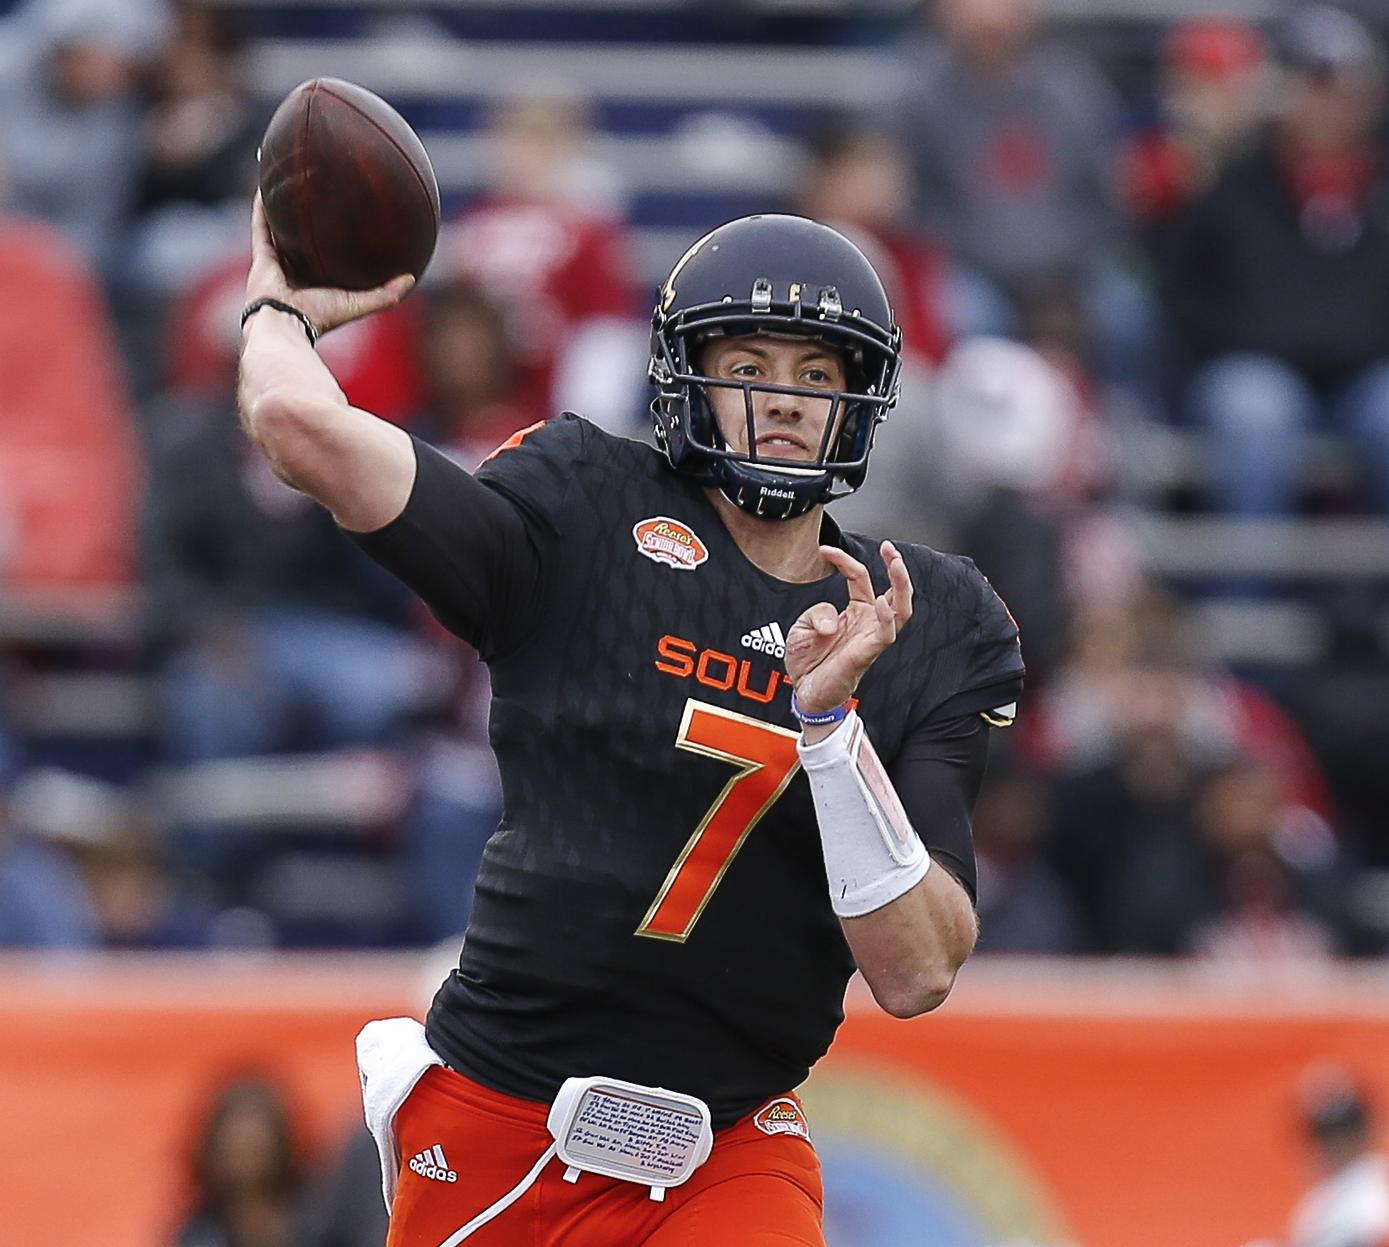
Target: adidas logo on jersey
[
  {"x": 768, "y": 639},
  {"x": 430, "y": 1163}
]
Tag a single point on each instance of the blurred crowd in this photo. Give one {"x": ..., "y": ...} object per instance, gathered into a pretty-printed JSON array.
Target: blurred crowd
[
  {"x": 1074, "y": 253},
  {"x": 254, "y": 1180}
]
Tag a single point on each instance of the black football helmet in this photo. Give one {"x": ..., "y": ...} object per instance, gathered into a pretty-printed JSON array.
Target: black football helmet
[{"x": 780, "y": 275}]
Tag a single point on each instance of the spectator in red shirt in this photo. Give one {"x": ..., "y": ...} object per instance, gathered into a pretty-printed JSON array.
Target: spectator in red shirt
[
  {"x": 67, "y": 444},
  {"x": 1213, "y": 78},
  {"x": 373, "y": 359},
  {"x": 545, "y": 243},
  {"x": 473, "y": 395}
]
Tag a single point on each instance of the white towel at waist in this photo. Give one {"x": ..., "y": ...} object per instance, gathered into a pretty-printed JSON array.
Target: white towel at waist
[{"x": 392, "y": 1056}]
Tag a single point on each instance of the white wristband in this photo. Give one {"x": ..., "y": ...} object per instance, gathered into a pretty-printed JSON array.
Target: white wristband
[{"x": 872, "y": 854}]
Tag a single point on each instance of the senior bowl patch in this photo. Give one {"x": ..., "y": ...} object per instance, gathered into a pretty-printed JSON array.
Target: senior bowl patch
[
  {"x": 782, "y": 1116},
  {"x": 668, "y": 541}
]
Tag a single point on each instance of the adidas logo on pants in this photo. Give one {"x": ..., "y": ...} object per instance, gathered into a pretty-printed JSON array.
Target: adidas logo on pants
[{"x": 430, "y": 1163}]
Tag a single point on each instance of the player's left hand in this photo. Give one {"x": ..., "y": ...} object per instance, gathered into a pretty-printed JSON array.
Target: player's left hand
[{"x": 828, "y": 651}]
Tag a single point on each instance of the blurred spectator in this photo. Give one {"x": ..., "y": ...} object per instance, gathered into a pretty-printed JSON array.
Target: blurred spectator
[
  {"x": 343, "y": 1207},
  {"x": 93, "y": 838},
  {"x": 374, "y": 360},
  {"x": 1279, "y": 277},
  {"x": 199, "y": 162},
  {"x": 245, "y": 1171},
  {"x": 136, "y": 901},
  {"x": 1349, "y": 1206},
  {"x": 554, "y": 255},
  {"x": 1108, "y": 812},
  {"x": 67, "y": 489},
  {"x": 249, "y": 579},
  {"x": 274, "y": 634},
  {"x": 472, "y": 375},
  {"x": 1133, "y": 665},
  {"x": 1212, "y": 83},
  {"x": 859, "y": 182},
  {"x": 43, "y": 901},
  {"x": 267, "y": 612},
  {"x": 474, "y": 404},
  {"x": 1012, "y": 438},
  {"x": 1249, "y": 878},
  {"x": 1024, "y": 906},
  {"x": 1127, "y": 730},
  {"x": 1013, "y": 143},
  {"x": 69, "y": 113}
]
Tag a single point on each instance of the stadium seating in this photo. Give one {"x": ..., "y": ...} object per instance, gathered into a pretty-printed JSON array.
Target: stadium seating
[{"x": 701, "y": 110}]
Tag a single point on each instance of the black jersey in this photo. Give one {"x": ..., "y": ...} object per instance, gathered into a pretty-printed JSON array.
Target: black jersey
[{"x": 653, "y": 905}]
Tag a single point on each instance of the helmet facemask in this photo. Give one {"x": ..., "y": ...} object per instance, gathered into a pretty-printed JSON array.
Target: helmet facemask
[
  {"x": 779, "y": 276},
  {"x": 760, "y": 483}
]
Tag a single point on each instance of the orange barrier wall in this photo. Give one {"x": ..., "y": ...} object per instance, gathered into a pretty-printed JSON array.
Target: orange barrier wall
[{"x": 1047, "y": 1103}]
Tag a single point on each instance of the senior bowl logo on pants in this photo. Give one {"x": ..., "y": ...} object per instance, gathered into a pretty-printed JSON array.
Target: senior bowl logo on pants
[{"x": 782, "y": 1116}]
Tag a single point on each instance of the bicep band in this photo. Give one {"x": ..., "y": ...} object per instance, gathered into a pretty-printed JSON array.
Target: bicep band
[{"x": 872, "y": 854}]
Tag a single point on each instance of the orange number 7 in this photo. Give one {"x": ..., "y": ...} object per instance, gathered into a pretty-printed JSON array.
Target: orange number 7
[{"x": 766, "y": 759}]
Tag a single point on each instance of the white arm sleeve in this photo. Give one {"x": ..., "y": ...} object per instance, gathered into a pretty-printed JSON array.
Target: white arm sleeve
[{"x": 872, "y": 853}]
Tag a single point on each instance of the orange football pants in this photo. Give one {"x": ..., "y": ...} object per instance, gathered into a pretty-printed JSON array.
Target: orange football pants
[{"x": 755, "y": 1190}]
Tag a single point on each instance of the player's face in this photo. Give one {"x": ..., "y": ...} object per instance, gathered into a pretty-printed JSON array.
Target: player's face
[{"x": 786, "y": 426}]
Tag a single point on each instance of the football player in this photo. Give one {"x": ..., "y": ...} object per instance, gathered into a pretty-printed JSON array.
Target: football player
[{"x": 739, "y": 751}]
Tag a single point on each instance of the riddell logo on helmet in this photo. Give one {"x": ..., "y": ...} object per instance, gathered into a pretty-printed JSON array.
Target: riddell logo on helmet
[
  {"x": 668, "y": 541},
  {"x": 782, "y": 1116},
  {"x": 769, "y": 492}
]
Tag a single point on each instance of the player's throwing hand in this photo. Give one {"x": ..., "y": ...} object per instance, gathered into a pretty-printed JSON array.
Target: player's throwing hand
[
  {"x": 326, "y": 309},
  {"x": 828, "y": 651}
]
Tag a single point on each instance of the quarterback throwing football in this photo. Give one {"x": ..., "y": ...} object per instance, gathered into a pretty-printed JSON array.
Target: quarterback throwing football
[{"x": 739, "y": 751}]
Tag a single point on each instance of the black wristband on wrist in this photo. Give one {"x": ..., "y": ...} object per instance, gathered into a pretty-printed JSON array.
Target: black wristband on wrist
[{"x": 256, "y": 304}]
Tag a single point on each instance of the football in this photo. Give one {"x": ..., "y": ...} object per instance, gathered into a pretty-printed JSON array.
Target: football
[{"x": 350, "y": 196}]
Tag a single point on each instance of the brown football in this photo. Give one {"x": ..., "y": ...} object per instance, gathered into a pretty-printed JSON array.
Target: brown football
[{"x": 350, "y": 196}]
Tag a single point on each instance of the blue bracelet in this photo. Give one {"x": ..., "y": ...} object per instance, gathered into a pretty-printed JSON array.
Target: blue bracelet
[{"x": 823, "y": 719}]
